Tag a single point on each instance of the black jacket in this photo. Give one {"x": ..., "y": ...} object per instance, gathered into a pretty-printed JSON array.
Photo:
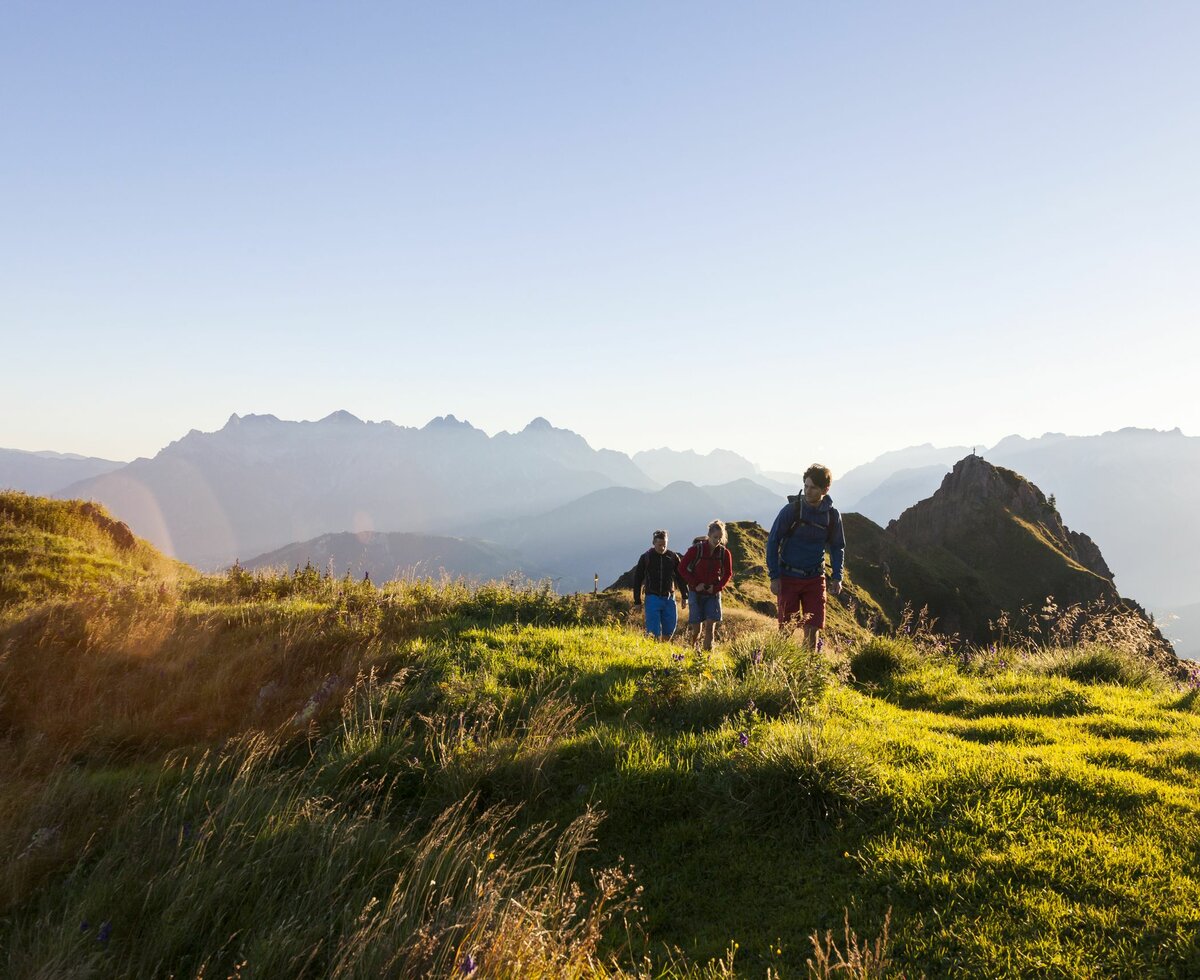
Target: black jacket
[{"x": 659, "y": 574}]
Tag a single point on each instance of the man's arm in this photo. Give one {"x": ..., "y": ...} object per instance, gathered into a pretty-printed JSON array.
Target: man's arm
[
  {"x": 679, "y": 581},
  {"x": 639, "y": 576},
  {"x": 773, "y": 548},
  {"x": 837, "y": 550}
]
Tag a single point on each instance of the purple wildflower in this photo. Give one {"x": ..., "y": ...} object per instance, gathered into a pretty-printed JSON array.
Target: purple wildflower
[
  {"x": 84, "y": 926},
  {"x": 757, "y": 656},
  {"x": 820, "y": 643},
  {"x": 743, "y": 739},
  {"x": 468, "y": 965},
  {"x": 104, "y": 933}
]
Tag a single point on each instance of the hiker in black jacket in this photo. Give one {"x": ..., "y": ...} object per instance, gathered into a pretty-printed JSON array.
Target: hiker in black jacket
[{"x": 658, "y": 571}]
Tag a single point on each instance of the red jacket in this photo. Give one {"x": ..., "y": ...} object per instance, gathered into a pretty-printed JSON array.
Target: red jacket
[{"x": 702, "y": 566}]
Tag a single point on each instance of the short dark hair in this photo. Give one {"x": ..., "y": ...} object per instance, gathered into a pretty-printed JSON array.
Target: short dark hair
[
  {"x": 822, "y": 476},
  {"x": 658, "y": 534}
]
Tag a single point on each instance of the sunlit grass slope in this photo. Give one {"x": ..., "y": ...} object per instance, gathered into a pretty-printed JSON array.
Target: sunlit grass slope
[
  {"x": 70, "y": 548},
  {"x": 302, "y": 776}
]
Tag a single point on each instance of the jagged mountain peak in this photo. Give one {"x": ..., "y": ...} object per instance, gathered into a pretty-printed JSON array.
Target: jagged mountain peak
[
  {"x": 449, "y": 423},
  {"x": 973, "y": 487},
  {"x": 236, "y": 421},
  {"x": 974, "y": 510},
  {"x": 340, "y": 417},
  {"x": 973, "y": 477},
  {"x": 540, "y": 428}
]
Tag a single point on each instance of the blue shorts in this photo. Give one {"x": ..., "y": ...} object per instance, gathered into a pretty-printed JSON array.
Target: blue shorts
[
  {"x": 661, "y": 615},
  {"x": 703, "y": 607}
]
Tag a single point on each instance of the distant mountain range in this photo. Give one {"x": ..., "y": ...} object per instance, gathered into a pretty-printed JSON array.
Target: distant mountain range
[
  {"x": 260, "y": 483},
  {"x": 545, "y": 496},
  {"x": 386, "y": 557},
  {"x": 603, "y": 533},
  {"x": 597, "y": 535},
  {"x": 713, "y": 469},
  {"x": 1181, "y": 625},
  {"x": 45, "y": 473}
]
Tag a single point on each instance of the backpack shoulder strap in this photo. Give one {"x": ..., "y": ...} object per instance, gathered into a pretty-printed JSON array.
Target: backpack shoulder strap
[{"x": 797, "y": 510}]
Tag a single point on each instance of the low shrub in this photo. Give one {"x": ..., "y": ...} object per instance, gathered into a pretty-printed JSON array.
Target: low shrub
[
  {"x": 1095, "y": 664},
  {"x": 775, "y": 658},
  {"x": 880, "y": 658},
  {"x": 801, "y": 778}
]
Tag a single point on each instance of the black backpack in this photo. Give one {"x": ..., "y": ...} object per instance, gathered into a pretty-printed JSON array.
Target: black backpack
[{"x": 798, "y": 520}]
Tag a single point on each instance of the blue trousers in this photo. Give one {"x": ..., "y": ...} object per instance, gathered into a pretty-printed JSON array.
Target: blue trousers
[{"x": 661, "y": 616}]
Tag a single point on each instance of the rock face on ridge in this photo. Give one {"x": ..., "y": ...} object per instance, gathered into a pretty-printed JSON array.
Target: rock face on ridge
[
  {"x": 975, "y": 503},
  {"x": 987, "y": 543},
  {"x": 1086, "y": 474}
]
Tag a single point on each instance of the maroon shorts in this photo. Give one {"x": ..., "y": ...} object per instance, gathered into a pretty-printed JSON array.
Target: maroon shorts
[{"x": 802, "y": 594}]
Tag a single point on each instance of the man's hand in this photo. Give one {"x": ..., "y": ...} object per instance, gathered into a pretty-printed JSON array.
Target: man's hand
[
  {"x": 775, "y": 587},
  {"x": 835, "y": 586}
]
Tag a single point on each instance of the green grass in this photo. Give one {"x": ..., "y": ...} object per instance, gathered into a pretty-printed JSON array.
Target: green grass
[
  {"x": 52, "y": 548},
  {"x": 297, "y": 776}
]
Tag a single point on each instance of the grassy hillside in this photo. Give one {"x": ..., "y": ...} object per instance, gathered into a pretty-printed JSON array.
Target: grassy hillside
[
  {"x": 257, "y": 775},
  {"x": 70, "y": 548}
]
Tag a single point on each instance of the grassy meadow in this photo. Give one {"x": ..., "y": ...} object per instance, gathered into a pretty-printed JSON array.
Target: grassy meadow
[{"x": 294, "y": 774}]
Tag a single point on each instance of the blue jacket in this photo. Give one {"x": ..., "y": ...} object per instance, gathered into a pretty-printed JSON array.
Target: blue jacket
[{"x": 801, "y": 554}]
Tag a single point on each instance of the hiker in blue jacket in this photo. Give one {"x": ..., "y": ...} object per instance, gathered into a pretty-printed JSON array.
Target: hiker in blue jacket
[
  {"x": 658, "y": 570},
  {"x": 804, "y": 530}
]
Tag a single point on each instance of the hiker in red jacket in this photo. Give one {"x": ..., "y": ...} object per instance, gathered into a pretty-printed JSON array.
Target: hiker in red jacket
[{"x": 707, "y": 568}]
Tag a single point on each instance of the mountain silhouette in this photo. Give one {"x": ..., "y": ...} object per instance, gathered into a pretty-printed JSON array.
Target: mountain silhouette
[
  {"x": 260, "y": 483},
  {"x": 603, "y": 532},
  {"x": 388, "y": 556},
  {"x": 46, "y": 473},
  {"x": 711, "y": 469}
]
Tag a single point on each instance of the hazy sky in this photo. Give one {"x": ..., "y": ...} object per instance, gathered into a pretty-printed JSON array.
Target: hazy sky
[{"x": 797, "y": 230}]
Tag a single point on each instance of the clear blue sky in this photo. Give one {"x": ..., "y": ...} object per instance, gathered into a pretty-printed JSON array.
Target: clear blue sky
[{"x": 797, "y": 230}]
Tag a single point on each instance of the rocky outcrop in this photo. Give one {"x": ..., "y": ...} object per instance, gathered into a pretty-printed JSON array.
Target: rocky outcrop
[
  {"x": 973, "y": 495},
  {"x": 119, "y": 531},
  {"x": 987, "y": 543}
]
